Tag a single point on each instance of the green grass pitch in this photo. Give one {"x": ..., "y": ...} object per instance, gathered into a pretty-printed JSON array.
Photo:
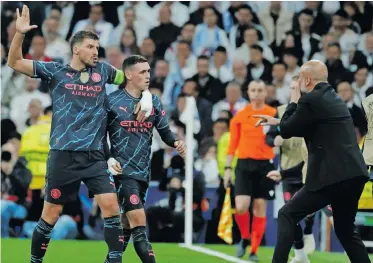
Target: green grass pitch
[{"x": 71, "y": 251}]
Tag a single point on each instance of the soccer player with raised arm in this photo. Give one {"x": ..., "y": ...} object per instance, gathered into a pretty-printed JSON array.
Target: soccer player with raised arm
[
  {"x": 77, "y": 134},
  {"x": 130, "y": 152}
]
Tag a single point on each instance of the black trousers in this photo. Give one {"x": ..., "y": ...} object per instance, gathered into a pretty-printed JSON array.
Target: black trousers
[{"x": 344, "y": 198}]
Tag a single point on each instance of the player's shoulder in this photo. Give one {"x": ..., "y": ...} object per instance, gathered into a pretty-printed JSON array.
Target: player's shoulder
[
  {"x": 50, "y": 64},
  {"x": 104, "y": 65},
  {"x": 114, "y": 94}
]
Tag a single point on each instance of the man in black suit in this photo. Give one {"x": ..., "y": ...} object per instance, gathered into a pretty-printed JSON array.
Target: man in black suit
[{"x": 336, "y": 172}]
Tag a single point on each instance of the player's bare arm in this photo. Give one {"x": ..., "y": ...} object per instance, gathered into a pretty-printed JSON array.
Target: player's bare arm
[{"x": 15, "y": 58}]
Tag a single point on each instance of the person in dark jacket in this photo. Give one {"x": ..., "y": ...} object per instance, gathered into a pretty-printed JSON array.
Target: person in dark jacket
[{"x": 335, "y": 163}]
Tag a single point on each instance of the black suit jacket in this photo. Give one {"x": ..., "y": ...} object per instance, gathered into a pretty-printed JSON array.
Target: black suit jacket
[{"x": 325, "y": 122}]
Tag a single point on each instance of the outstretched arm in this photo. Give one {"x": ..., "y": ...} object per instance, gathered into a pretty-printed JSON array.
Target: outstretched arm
[{"x": 15, "y": 58}]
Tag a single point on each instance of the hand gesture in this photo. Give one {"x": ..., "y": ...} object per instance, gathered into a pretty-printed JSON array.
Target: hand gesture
[
  {"x": 274, "y": 175},
  {"x": 23, "y": 21},
  {"x": 295, "y": 92},
  {"x": 266, "y": 120},
  {"x": 227, "y": 178},
  {"x": 181, "y": 148},
  {"x": 144, "y": 108}
]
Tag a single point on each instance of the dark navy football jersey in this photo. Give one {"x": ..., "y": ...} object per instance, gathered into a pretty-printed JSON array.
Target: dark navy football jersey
[
  {"x": 131, "y": 140},
  {"x": 79, "y": 103}
]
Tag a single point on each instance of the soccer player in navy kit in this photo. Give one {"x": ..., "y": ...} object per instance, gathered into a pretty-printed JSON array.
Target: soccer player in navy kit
[
  {"x": 130, "y": 151},
  {"x": 78, "y": 130}
]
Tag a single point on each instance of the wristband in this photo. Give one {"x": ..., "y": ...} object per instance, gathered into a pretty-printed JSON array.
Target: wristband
[{"x": 227, "y": 168}]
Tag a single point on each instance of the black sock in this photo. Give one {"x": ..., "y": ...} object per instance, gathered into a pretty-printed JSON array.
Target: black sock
[
  {"x": 142, "y": 246},
  {"x": 40, "y": 241},
  {"x": 245, "y": 243},
  {"x": 126, "y": 239},
  {"x": 309, "y": 220},
  {"x": 113, "y": 234},
  {"x": 298, "y": 238}
]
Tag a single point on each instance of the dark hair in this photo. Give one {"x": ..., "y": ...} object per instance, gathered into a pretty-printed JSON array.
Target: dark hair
[
  {"x": 15, "y": 135},
  {"x": 186, "y": 43},
  {"x": 335, "y": 44},
  {"x": 307, "y": 12},
  {"x": 257, "y": 47},
  {"x": 80, "y": 36},
  {"x": 280, "y": 62},
  {"x": 48, "y": 109},
  {"x": 203, "y": 57},
  {"x": 223, "y": 120},
  {"x": 133, "y": 60},
  {"x": 245, "y": 6},
  {"x": 221, "y": 49},
  {"x": 56, "y": 7}
]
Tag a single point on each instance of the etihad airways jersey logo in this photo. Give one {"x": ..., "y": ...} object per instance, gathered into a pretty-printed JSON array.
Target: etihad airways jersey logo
[
  {"x": 136, "y": 126},
  {"x": 83, "y": 90}
]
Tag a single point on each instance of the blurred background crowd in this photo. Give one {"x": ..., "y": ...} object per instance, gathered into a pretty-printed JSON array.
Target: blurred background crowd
[{"x": 209, "y": 50}]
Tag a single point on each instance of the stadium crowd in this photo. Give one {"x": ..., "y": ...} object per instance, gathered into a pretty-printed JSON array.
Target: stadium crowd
[{"x": 209, "y": 50}]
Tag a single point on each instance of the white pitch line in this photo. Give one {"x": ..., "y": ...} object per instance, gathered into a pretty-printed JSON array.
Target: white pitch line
[{"x": 215, "y": 253}]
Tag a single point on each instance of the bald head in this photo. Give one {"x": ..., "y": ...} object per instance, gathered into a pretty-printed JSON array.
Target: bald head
[{"x": 312, "y": 73}]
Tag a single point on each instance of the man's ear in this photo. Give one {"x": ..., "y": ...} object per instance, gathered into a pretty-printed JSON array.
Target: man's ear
[
  {"x": 128, "y": 75},
  {"x": 76, "y": 50}
]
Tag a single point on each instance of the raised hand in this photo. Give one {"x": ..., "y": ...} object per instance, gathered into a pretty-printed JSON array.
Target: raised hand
[
  {"x": 23, "y": 21},
  {"x": 265, "y": 120}
]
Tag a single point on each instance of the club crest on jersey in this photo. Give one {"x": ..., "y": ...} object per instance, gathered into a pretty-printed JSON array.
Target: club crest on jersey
[
  {"x": 96, "y": 77},
  {"x": 84, "y": 77}
]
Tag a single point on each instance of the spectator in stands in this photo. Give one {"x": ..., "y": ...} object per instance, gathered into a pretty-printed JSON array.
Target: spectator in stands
[
  {"x": 219, "y": 67},
  {"x": 280, "y": 83},
  {"x": 351, "y": 9},
  {"x": 130, "y": 21},
  {"x": 206, "y": 163},
  {"x": 57, "y": 48},
  {"x": 147, "y": 50},
  {"x": 251, "y": 38},
  {"x": 363, "y": 14},
  {"x": 128, "y": 43},
  {"x": 35, "y": 110},
  {"x": 363, "y": 81},
  {"x": 197, "y": 17},
  {"x": 184, "y": 62},
  {"x": 143, "y": 13},
  {"x": 239, "y": 71},
  {"x": 347, "y": 38},
  {"x": 271, "y": 98},
  {"x": 321, "y": 20},
  {"x": 346, "y": 93},
  {"x": 115, "y": 57},
  {"x": 245, "y": 20},
  {"x": 210, "y": 88},
  {"x": 233, "y": 101},
  {"x": 294, "y": 42},
  {"x": 276, "y": 21},
  {"x": 208, "y": 35},
  {"x": 367, "y": 48},
  {"x": 187, "y": 34},
  {"x": 180, "y": 12},
  {"x": 20, "y": 103},
  {"x": 326, "y": 40},
  {"x": 259, "y": 67},
  {"x": 96, "y": 24},
  {"x": 37, "y": 49},
  {"x": 164, "y": 34},
  {"x": 204, "y": 107},
  {"x": 291, "y": 59},
  {"x": 161, "y": 72},
  {"x": 62, "y": 12},
  {"x": 336, "y": 71},
  {"x": 15, "y": 180},
  {"x": 309, "y": 41}
]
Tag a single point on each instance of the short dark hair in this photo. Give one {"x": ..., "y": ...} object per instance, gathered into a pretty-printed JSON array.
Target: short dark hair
[
  {"x": 280, "y": 62},
  {"x": 335, "y": 44},
  {"x": 222, "y": 120},
  {"x": 221, "y": 49},
  {"x": 133, "y": 60},
  {"x": 80, "y": 36},
  {"x": 203, "y": 57},
  {"x": 257, "y": 47}
]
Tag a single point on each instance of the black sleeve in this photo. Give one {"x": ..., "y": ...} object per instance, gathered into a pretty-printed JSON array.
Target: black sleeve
[
  {"x": 271, "y": 134},
  {"x": 106, "y": 149},
  {"x": 161, "y": 123},
  {"x": 297, "y": 119},
  {"x": 293, "y": 172}
]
